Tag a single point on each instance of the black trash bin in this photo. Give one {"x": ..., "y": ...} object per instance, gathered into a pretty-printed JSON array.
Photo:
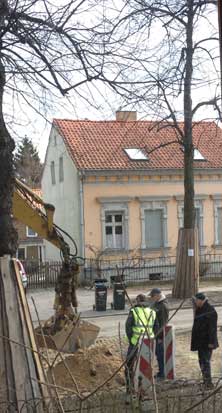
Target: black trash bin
[
  {"x": 118, "y": 296},
  {"x": 100, "y": 294}
]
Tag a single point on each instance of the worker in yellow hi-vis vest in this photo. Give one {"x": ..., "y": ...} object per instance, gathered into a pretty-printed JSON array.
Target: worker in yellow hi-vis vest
[{"x": 141, "y": 321}]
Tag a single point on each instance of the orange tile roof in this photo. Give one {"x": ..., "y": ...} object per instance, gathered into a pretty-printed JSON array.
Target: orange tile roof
[{"x": 99, "y": 145}]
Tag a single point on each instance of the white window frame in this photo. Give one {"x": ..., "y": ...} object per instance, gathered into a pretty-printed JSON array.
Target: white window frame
[
  {"x": 113, "y": 224},
  {"x": 28, "y": 235},
  {"x": 157, "y": 203},
  {"x": 217, "y": 204},
  {"x": 114, "y": 206},
  {"x": 198, "y": 204}
]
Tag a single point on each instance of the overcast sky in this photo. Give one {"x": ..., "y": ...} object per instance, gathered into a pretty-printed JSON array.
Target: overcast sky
[{"x": 105, "y": 104}]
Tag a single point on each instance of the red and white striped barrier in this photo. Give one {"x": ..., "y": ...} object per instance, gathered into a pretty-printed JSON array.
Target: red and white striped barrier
[
  {"x": 169, "y": 352},
  {"x": 145, "y": 359},
  {"x": 143, "y": 368}
]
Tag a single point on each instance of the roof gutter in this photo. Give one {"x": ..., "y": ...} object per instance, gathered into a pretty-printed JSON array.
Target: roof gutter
[{"x": 152, "y": 172}]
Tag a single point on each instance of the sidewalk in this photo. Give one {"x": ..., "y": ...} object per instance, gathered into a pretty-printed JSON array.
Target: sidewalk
[{"x": 44, "y": 301}]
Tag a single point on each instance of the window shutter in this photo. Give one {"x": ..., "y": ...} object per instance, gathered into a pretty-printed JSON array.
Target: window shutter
[
  {"x": 52, "y": 166},
  {"x": 219, "y": 227},
  {"x": 61, "y": 170},
  {"x": 154, "y": 228},
  {"x": 198, "y": 224}
]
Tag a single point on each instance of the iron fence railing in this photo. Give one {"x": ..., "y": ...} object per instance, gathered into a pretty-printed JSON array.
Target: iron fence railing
[
  {"x": 42, "y": 274},
  {"x": 134, "y": 271},
  {"x": 142, "y": 270}
]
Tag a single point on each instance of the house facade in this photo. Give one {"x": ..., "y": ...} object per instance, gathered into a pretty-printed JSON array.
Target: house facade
[{"x": 117, "y": 186}]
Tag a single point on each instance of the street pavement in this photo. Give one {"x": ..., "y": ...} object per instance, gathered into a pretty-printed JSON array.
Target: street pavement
[{"x": 110, "y": 321}]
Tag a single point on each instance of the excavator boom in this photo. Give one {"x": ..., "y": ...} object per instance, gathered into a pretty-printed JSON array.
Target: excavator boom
[
  {"x": 30, "y": 209},
  {"x": 62, "y": 328}
]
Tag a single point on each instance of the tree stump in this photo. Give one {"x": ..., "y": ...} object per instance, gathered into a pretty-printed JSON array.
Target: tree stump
[
  {"x": 187, "y": 264},
  {"x": 20, "y": 367}
]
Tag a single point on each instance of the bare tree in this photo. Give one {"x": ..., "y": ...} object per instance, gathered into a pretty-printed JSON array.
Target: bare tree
[
  {"x": 169, "y": 55},
  {"x": 44, "y": 49}
]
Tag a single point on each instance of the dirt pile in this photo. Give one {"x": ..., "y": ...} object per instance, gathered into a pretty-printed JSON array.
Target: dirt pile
[{"x": 90, "y": 368}]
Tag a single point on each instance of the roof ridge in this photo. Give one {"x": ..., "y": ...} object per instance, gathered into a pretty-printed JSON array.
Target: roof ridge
[{"x": 132, "y": 121}]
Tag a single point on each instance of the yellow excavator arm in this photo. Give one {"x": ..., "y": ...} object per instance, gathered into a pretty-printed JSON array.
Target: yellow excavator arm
[
  {"x": 63, "y": 331},
  {"x": 30, "y": 209}
]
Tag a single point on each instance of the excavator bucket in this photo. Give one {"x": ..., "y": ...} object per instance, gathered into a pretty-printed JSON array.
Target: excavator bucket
[{"x": 70, "y": 338}]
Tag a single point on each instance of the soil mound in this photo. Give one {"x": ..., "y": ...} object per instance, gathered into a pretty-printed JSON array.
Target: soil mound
[{"x": 90, "y": 368}]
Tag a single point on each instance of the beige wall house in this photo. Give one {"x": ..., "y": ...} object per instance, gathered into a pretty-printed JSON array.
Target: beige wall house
[{"x": 118, "y": 185}]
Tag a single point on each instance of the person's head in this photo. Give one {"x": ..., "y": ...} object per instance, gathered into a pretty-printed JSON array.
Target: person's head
[
  {"x": 199, "y": 299},
  {"x": 155, "y": 294},
  {"x": 140, "y": 299}
]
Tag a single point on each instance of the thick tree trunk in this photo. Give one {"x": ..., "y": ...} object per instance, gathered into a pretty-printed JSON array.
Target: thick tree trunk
[
  {"x": 187, "y": 264},
  {"x": 187, "y": 269},
  {"x": 8, "y": 235}
]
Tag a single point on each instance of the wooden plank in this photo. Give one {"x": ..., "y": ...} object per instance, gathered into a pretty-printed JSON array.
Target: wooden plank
[
  {"x": 12, "y": 315},
  {"x": 21, "y": 365},
  {"x": 31, "y": 340},
  {"x": 6, "y": 377}
]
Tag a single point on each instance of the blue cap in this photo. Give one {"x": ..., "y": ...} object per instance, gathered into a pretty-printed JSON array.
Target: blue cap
[{"x": 154, "y": 291}]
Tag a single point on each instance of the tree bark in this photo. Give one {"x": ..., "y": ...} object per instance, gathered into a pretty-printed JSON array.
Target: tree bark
[
  {"x": 189, "y": 211},
  {"x": 8, "y": 235},
  {"x": 187, "y": 263}
]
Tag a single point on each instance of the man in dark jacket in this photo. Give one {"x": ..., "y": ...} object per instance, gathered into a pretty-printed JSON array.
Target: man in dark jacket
[
  {"x": 160, "y": 305},
  {"x": 141, "y": 322},
  {"x": 204, "y": 335}
]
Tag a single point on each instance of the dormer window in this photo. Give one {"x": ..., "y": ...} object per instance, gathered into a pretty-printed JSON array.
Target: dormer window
[
  {"x": 197, "y": 156},
  {"x": 136, "y": 154}
]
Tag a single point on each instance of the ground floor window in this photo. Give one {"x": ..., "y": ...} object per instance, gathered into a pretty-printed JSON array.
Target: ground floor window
[
  {"x": 114, "y": 229},
  {"x": 198, "y": 218},
  {"x": 114, "y": 222},
  {"x": 154, "y": 223},
  {"x": 154, "y": 231},
  {"x": 30, "y": 253},
  {"x": 219, "y": 225},
  {"x": 218, "y": 220},
  {"x": 21, "y": 254}
]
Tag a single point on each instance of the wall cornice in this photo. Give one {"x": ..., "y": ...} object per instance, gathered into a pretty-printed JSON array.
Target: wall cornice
[{"x": 114, "y": 199}]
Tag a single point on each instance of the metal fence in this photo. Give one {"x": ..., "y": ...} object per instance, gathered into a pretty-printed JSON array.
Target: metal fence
[
  {"x": 42, "y": 274},
  {"x": 134, "y": 271},
  {"x": 141, "y": 270}
]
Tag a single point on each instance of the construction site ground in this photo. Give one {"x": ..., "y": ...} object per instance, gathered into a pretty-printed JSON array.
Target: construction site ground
[
  {"x": 92, "y": 367},
  {"x": 88, "y": 369}
]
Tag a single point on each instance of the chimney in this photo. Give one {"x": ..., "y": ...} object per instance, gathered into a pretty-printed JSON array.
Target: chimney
[{"x": 125, "y": 116}]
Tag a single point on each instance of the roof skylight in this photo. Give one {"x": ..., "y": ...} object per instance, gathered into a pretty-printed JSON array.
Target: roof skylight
[
  {"x": 197, "y": 156},
  {"x": 136, "y": 154}
]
